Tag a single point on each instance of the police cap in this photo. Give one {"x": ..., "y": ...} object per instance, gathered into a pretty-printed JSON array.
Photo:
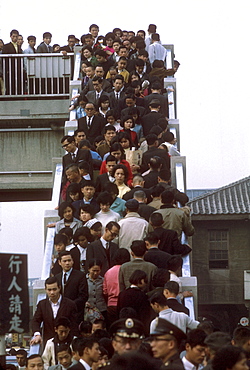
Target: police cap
[{"x": 127, "y": 328}]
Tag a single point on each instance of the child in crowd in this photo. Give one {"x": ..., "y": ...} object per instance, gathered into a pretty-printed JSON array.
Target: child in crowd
[{"x": 60, "y": 242}]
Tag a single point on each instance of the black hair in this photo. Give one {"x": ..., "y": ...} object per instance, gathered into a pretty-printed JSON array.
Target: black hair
[
  {"x": 125, "y": 118},
  {"x": 151, "y": 139},
  {"x": 156, "y": 218},
  {"x": 62, "y": 208},
  {"x": 196, "y": 337},
  {"x": 62, "y": 321},
  {"x": 157, "y": 190},
  {"x": 138, "y": 247},
  {"x": 47, "y": 34},
  {"x": 111, "y": 188},
  {"x": 241, "y": 335},
  {"x": 152, "y": 238},
  {"x": 88, "y": 208},
  {"x": 108, "y": 128},
  {"x": 137, "y": 277},
  {"x": 121, "y": 256},
  {"x": 64, "y": 253},
  {"x": 82, "y": 231},
  {"x": 155, "y": 162},
  {"x": 112, "y": 113},
  {"x": 167, "y": 197},
  {"x": 173, "y": 287},
  {"x": 175, "y": 262},
  {"x": 85, "y": 342},
  {"x": 104, "y": 198},
  {"x": 94, "y": 262},
  {"x": 111, "y": 158},
  {"x": 30, "y": 38},
  {"x": 87, "y": 47},
  {"x": 51, "y": 280},
  {"x": 60, "y": 238},
  {"x": 118, "y": 167},
  {"x": 157, "y": 130},
  {"x": 63, "y": 347},
  {"x": 124, "y": 135},
  {"x": 68, "y": 138},
  {"x": 110, "y": 224},
  {"x": 160, "y": 278},
  {"x": 83, "y": 143},
  {"x": 88, "y": 183},
  {"x": 159, "y": 298},
  {"x": 227, "y": 357},
  {"x": 165, "y": 174}
]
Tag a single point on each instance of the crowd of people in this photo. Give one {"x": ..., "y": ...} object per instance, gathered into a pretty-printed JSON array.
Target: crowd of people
[{"x": 114, "y": 295}]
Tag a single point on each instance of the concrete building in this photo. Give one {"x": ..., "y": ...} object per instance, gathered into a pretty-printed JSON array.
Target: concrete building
[{"x": 221, "y": 252}]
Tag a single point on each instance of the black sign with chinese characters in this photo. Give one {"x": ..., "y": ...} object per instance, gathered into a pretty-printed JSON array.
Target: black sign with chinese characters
[{"x": 14, "y": 297}]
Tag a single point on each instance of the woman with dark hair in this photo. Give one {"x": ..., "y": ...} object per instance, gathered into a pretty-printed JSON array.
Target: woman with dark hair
[
  {"x": 125, "y": 140},
  {"x": 103, "y": 105},
  {"x": 128, "y": 123},
  {"x": 111, "y": 287},
  {"x": 73, "y": 192},
  {"x": 95, "y": 283},
  {"x": 230, "y": 358},
  {"x": 117, "y": 151},
  {"x": 108, "y": 41},
  {"x": 133, "y": 76},
  {"x": 120, "y": 173},
  {"x": 65, "y": 212},
  {"x": 87, "y": 55}
]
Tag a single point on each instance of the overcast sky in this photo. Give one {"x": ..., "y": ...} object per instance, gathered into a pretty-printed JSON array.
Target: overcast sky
[{"x": 211, "y": 41}]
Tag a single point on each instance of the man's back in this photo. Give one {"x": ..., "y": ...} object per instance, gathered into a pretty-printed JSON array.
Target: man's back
[
  {"x": 176, "y": 219},
  {"x": 180, "y": 319},
  {"x": 133, "y": 227},
  {"x": 128, "y": 268}
]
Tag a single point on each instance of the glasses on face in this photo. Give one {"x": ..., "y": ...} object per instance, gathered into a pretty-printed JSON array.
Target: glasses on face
[
  {"x": 114, "y": 235},
  {"x": 90, "y": 109}
]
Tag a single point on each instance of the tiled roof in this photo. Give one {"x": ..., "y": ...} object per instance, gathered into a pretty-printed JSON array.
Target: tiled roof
[{"x": 231, "y": 199}]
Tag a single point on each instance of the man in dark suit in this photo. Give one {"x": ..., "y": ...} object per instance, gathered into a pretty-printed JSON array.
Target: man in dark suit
[
  {"x": 92, "y": 125},
  {"x": 50, "y": 309},
  {"x": 171, "y": 290},
  {"x": 106, "y": 178},
  {"x": 73, "y": 282},
  {"x": 156, "y": 94},
  {"x": 117, "y": 94},
  {"x": 169, "y": 241},
  {"x": 144, "y": 210},
  {"x": 12, "y": 76},
  {"x": 74, "y": 155},
  {"x": 94, "y": 96},
  {"x": 89, "y": 352},
  {"x": 138, "y": 184},
  {"x": 149, "y": 120},
  {"x": 106, "y": 86},
  {"x": 103, "y": 249},
  {"x": 71, "y": 43},
  {"x": 153, "y": 151},
  {"x": 151, "y": 177},
  {"x": 45, "y": 47},
  {"x": 130, "y": 102},
  {"x": 154, "y": 254}
]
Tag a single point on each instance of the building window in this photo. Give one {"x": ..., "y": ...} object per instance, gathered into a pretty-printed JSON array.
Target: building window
[{"x": 218, "y": 249}]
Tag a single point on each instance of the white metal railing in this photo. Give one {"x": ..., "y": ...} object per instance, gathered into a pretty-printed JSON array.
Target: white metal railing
[{"x": 35, "y": 74}]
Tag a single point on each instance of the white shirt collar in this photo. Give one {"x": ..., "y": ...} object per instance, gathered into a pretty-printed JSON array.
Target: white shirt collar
[{"x": 84, "y": 363}]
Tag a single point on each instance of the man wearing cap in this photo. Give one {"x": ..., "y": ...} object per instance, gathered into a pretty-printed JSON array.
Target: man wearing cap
[
  {"x": 133, "y": 226},
  {"x": 127, "y": 335},
  {"x": 165, "y": 341}
]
